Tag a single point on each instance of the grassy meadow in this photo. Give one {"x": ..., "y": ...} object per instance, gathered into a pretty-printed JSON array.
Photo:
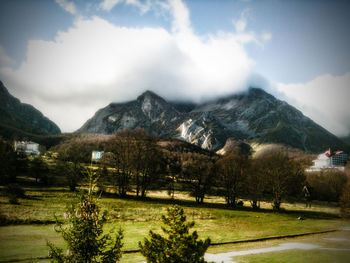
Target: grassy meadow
[{"x": 30, "y": 224}]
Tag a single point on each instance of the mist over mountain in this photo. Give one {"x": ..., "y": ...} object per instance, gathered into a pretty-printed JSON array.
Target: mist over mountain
[
  {"x": 20, "y": 120},
  {"x": 253, "y": 116}
]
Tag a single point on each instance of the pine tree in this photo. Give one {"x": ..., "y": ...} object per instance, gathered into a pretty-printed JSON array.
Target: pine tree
[
  {"x": 84, "y": 233},
  {"x": 178, "y": 246}
]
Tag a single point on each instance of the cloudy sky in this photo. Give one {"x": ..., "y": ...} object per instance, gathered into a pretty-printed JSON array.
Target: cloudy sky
[{"x": 70, "y": 58}]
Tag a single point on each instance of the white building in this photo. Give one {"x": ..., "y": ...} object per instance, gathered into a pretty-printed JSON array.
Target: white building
[
  {"x": 329, "y": 160},
  {"x": 97, "y": 155},
  {"x": 30, "y": 148}
]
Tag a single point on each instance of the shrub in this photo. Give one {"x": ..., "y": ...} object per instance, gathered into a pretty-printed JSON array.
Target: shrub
[
  {"x": 84, "y": 234},
  {"x": 179, "y": 246}
]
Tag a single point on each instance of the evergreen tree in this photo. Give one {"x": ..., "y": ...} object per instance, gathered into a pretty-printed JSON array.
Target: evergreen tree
[
  {"x": 84, "y": 233},
  {"x": 178, "y": 246}
]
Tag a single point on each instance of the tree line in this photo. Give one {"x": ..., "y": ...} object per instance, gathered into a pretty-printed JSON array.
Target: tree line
[{"x": 135, "y": 161}]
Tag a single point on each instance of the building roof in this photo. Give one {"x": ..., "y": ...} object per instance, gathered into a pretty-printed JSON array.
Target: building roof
[{"x": 327, "y": 155}]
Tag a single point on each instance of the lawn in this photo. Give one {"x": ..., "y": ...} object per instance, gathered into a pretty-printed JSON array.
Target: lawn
[{"x": 137, "y": 217}]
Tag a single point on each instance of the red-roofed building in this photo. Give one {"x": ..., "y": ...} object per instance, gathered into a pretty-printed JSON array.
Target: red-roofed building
[{"x": 330, "y": 159}]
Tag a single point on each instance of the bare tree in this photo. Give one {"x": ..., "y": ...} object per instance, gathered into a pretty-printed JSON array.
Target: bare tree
[
  {"x": 285, "y": 177},
  {"x": 173, "y": 166},
  {"x": 197, "y": 174},
  {"x": 255, "y": 182},
  {"x": 136, "y": 159},
  {"x": 121, "y": 147},
  {"x": 232, "y": 170},
  {"x": 149, "y": 163}
]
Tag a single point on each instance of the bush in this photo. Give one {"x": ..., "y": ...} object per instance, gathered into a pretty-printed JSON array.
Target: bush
[
  {"x": 13, "y": 192},
  {"x": 178, "y": 246}
]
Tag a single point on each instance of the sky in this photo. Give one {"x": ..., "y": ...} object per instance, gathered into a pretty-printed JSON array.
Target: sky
[{"x": 69, "y": 58}]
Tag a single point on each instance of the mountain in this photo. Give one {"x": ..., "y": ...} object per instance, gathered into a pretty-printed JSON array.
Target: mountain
[
  {"x": 148, "y": 111},
  {"x": 253, "y": 117},
  {"x": 20, "y": 120}
]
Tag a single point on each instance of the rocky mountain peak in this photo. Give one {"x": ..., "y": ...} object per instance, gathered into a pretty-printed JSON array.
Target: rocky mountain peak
[
  {"x": 253, "y": 116},
  {"x": 257, "y": 93},
  {"x": 149, "y": 95}
]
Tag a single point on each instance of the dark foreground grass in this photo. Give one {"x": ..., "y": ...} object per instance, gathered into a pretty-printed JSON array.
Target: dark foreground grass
[{"x": 137, "y": 217}]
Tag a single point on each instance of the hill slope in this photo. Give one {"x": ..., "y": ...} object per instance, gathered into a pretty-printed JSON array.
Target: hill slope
[{"x": 22, "y": 120}]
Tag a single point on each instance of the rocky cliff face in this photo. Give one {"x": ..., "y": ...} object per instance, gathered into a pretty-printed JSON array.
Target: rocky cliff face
[
  {"x": 148, "y": 111},
  {"x": 21, "y": 117},
  {"x": 252, "y": 116}
]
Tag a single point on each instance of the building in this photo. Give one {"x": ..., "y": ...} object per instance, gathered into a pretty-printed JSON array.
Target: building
[
  {"x": 329, "y": 160},
  {"x": 97, "y": 155},
  {"x": 30, "y": 148}
]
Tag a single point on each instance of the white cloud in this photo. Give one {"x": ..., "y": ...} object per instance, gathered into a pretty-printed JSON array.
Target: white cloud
[
  {"x": 324, "y": 99},
  {"x": 67, "y": 6},
  {"x": 95, "y": 63},
  {"x": 5, "y": 60},
  {"x": 245, "y": 36},
  {"x": 143, "y": 7},
  {"x": 181, "y": 16},
  {"x": 241, "y": 24},
  {"x": 108, "y": 5}
]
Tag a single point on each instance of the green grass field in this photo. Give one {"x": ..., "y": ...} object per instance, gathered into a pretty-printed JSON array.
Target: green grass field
[{"x": 136, "y": 218}]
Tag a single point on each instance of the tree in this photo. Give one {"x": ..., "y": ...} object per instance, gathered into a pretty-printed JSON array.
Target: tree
[
  {"x": 326, "y": 185},
  {"x": 78, "y": 147},
  {"x": 345, "y": 201},
  {"x": 39, "y": 169},
  {"x": 7, "y": 163},
  {"x": 137, "y": 159},
  {"x": 197, "y": 174},
  {"x": 178, "y": 246},
  {"x": 84, "y": 233},
  {"x": 70, "y": 161},
  {"x": 255, "y": 182},
  {"x": 147, "y": 161},
  {"x": 121, "y": 159},
  {"x": 284, "y": 176},
  {"x": 173, "y": 167},
  {"x": 73, "y": 173},
  {"x": 104, "y": 177},
  {"x": 231, "y": 172}
]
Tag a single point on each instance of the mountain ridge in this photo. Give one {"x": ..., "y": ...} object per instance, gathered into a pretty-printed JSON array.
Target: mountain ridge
[
  {"x": 22, "y": 120},
  {"x": 253, "y": 116}
]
